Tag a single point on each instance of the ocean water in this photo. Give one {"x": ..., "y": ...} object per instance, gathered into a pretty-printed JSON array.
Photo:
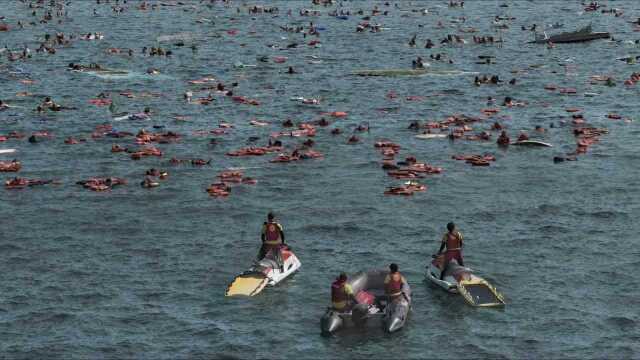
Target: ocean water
[{"x": 141, "y": 273}]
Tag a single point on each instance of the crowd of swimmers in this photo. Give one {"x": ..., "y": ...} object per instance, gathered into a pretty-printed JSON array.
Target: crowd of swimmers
[{"x": 50, "y": 43}]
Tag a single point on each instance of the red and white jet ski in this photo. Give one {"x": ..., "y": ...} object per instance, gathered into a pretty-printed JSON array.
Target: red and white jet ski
[
  {"x": 459, "y": 279},
  {"x": 269, "y": 271}
]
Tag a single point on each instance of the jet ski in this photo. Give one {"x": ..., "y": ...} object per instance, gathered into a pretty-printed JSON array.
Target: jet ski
[
  {"x": 372, "y": 305},
  {"x": 269, "y": 271},
  {"x": 459, "y": 279}
]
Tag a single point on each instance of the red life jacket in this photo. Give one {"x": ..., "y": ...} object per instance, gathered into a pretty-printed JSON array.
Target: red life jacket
[
  {"x": 393, "y": 286},
  {"x": 338, "y": 294},
  {"x": 453, "y": 241},
  {"x": 272, "y": 234}
]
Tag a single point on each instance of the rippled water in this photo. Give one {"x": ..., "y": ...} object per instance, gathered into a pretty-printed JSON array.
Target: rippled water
[{"x": 141, "y": 273}]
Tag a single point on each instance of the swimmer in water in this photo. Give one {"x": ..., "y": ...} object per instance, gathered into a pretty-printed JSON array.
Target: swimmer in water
[
  {"x": 523, "y": 137},
  {"x": 148, "y": 183},
  {"x": 429, "y": 44},
  {"x": 503, "y": 140},
  {"x": 412, "y": 41}
]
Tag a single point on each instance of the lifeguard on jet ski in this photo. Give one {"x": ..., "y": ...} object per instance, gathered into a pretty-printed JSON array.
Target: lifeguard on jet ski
[
  {"x": 448, "y": 271},
  {"x": 275, "y": 263},
  {"x": 377, "y": 296}
]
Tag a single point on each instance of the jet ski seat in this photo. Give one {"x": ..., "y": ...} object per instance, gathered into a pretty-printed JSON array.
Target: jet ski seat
[
  {"x": 268, "y": 263},
  {"x": 455, "y": 270}
]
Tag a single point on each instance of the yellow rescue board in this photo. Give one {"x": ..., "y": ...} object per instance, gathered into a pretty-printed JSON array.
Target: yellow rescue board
[
  {"x": 247, "y": 285},
  {"x": 478, "y": 292}
]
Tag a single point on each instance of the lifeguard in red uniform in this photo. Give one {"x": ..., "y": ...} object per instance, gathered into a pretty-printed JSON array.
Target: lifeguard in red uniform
[
  {"x": 452, "y": 240},
  {"x": 393, "y": 283},
  {"x": 272, "y": 236}
]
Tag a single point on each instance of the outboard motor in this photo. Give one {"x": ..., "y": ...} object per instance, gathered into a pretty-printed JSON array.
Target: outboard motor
[{"x": 359, "y": 314}]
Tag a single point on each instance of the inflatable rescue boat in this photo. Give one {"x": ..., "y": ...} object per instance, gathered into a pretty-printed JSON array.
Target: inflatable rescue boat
[{"x": 372, "y": 305}]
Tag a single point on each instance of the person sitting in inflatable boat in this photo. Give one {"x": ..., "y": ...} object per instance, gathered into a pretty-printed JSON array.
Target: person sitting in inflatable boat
[{"x": 342, "y": 297}]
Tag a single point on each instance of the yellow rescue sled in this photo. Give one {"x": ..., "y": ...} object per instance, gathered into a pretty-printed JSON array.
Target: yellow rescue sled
[
  {"x": 478, "y": 292},
  {"x": 247, "y": 284}
]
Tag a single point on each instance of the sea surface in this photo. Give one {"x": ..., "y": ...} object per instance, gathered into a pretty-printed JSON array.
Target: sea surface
[{"x": 141, "y": 273}]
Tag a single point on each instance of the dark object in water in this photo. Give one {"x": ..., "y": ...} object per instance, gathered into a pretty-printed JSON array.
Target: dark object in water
[{"x": 584, "y": 34}]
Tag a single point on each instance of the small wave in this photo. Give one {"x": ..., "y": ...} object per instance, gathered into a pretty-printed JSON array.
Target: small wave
[
  {"x": 53, "y": 289},
  {"x": 485, "y": 216},
  {"x": 311, "y": 228},
  {"x": 451, "y": 73},
  {"x": 550, "y": 209},
  {"x": 602, "y": 214},
  {"x": 153, "y": 296},
  {"x": 480, "y": 352},
  {"x": 5, "y": 248},
  {"x": 209, "y": 332},
  {"x": 75, "y": 273},
  {"x": 212, "y": 315},
  {"x": 552, "y": 229},
  {"x": 89, "y": 298},
  {"x": 622, "y": 322},
  {"x": 46, "y": 318},
  {"x": 17, "y": 260},
  {"x": 226, "y": 356}
]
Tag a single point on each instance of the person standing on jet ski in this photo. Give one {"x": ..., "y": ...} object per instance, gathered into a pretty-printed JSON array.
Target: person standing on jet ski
[
  {"x": 452, "y": 240},
  {"x": 272, "y": 236}
]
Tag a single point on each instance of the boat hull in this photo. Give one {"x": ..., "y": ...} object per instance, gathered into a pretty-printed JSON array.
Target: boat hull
[
  {"x": 562, "y": 39},
  {"x": 265, "y": 272}
]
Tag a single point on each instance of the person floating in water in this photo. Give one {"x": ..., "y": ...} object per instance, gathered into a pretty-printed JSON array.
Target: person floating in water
[{"x": 418, "y": 63}]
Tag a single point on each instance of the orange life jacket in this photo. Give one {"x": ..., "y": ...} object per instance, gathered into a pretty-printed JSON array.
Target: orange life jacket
[
  {"x": 272, "y": 234},
  {"x": 393, "y": 284},
  {"x": 453, "y": 241}
]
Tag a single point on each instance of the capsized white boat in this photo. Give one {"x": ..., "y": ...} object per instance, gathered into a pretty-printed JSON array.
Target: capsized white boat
[
  {"x": 306, "y": 101},
  {"x": 580, "y": 35},
  {"x": 269, "y": 271},
  {"x": 372, "y": 305},
  {"x": 458, "y": 279},
  {"x": 532, "y": 143},
  {"x": 432, "y": 136}
]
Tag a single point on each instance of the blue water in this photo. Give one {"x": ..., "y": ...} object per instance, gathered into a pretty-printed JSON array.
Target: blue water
[{"x": 140, "y": 273}]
